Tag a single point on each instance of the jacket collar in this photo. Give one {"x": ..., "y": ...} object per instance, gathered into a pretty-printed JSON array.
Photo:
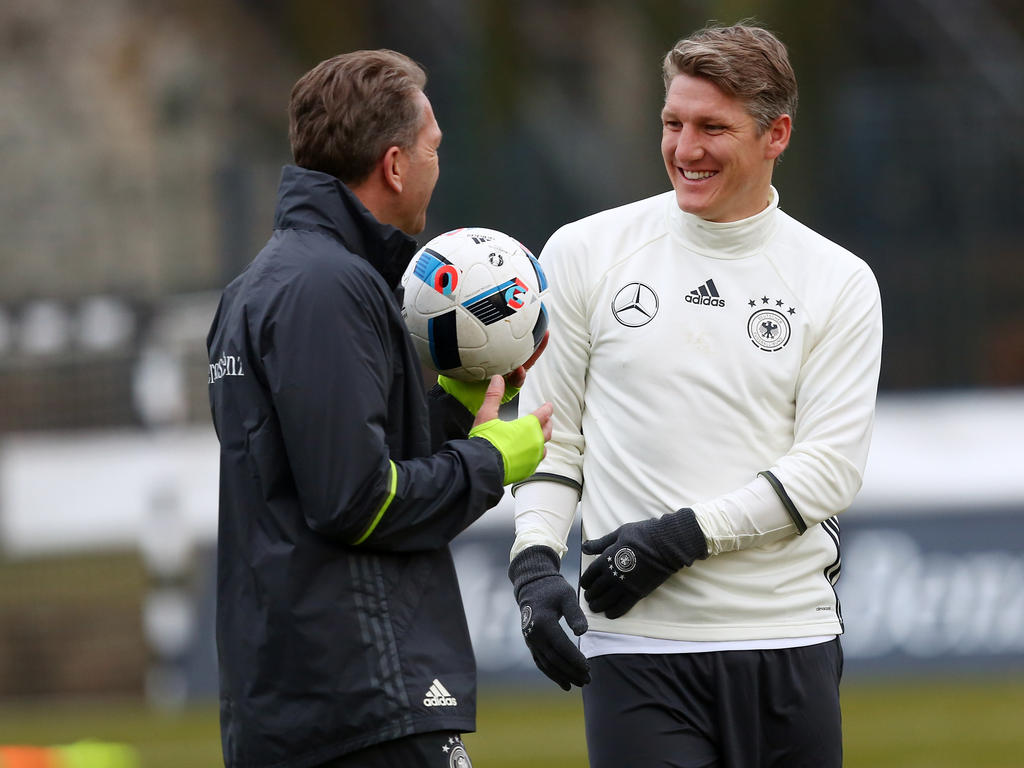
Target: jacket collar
[{"x": 320, "y": 202}]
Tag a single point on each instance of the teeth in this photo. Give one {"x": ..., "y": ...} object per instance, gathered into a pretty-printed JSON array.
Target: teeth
[{"x": 697, "y": 175}]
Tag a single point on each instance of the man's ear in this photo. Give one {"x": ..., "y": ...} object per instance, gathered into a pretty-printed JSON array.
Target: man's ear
[
  {"x": 779, "y": 132},
  {"x": 392, "y": 167}
]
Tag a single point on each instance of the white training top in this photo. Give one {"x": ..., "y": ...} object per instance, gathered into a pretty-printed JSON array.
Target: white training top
[{"x": 685, "y": 358}]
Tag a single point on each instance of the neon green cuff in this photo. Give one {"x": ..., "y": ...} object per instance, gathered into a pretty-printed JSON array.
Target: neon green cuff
[
  {"x": 520, "y": 443},
  {"x": 471, "y": 393}
]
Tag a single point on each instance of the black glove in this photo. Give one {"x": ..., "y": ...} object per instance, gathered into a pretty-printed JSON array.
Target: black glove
[
  {"x": 544, "y": 597},
  {"x": 637, "y": 557}
]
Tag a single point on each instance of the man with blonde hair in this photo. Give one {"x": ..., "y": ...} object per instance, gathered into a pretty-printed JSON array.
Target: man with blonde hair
[
  {"x": 713, "y": 368},
  {"x": 341, "y": 637}
]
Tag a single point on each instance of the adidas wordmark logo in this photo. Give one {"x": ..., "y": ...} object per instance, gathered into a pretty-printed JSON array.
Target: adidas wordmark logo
[
  {"x": 706, "y": 295},
  {"x": 438, "y": 696}
]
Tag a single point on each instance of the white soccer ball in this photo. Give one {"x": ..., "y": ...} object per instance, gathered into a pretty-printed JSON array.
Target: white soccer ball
[{"x": 474, "y": 303}]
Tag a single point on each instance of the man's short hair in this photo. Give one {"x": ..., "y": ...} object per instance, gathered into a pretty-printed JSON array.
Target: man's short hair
[
  {"x": 744, "y": 61},
  {"x": 346, "y": 111}
]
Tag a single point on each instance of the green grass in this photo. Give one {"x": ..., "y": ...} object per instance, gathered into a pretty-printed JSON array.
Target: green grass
[
  {"x": 189, "y": 738},
  {"x": 539, "y": 730},
  {"x": 948, "y": 724},
  {"x": 938, "y": 724}
]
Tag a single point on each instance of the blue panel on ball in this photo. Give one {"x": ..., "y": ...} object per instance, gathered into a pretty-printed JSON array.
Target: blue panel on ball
[
  {"x": 444, "y": 341},
  {"x": 542, "y": 279},
  {"x": 540, "y": 326}
]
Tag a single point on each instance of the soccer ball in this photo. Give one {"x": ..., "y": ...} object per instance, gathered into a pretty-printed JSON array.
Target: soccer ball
[{"x": 473, "y": 303}]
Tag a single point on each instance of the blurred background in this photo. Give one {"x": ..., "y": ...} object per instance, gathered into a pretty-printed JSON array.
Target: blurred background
[{"x": 140, "y": 147}]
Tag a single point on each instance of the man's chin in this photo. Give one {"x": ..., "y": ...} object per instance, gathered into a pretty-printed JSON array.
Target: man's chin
[
  {"x": 415, "y": 227},
  {"x": 690, "y": 203}
]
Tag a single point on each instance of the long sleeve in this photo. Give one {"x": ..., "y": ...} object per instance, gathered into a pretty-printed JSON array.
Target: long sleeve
[
  {"x": 546, "y": 503},
  {"x": 835, "y": 405},
  {"x": 328, "y": 361},
  {"x": 560, "y": 374},
  {"x": 822, "y": 472}
]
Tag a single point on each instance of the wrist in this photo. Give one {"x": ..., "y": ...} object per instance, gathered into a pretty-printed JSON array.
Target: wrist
[
  {"x": 531, "y": 564},
  {"x": 681, "y": 536},
  {"x": 469, "y": 393},
  {"x": 520, "y": 443}
]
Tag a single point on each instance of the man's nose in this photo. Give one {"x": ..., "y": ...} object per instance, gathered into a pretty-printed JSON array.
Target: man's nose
[{"x": 688, "y": 146}]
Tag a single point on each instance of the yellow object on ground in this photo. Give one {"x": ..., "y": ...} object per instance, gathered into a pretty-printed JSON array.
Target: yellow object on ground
[{"x": 82, "y": 754}]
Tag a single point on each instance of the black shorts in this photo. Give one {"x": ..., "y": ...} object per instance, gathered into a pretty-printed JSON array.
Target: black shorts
[
  {"x": 437, "y": 749},
  {"x": 725, "y": 709}
]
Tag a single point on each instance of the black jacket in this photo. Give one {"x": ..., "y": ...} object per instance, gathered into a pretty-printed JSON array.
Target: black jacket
[{"x": 327, "y": 645}]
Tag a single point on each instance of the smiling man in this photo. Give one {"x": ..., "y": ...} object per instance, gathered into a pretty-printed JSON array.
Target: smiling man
[{"x": 713, "y": 368}]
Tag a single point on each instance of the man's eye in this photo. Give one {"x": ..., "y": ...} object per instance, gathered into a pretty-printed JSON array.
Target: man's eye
[
  {"x": 714, "y": 128},
  {"x": 673, "y": 124}
]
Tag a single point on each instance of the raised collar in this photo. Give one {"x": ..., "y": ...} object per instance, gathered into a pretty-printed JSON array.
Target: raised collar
[
  {"x": 728, "y": 240},
  {"x": 319, "y": 202}
]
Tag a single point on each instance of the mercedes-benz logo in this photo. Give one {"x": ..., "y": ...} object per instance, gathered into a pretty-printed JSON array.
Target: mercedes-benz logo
[{"x": 634, "y": 305}]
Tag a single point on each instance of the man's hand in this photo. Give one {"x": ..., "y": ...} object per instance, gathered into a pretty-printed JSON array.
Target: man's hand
[
  {"x": 471, "y": 393},
  {"x": 520, "y": 442},
  {"x": 544, "y": 597},
  {"x": 637, "y": 557}
]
